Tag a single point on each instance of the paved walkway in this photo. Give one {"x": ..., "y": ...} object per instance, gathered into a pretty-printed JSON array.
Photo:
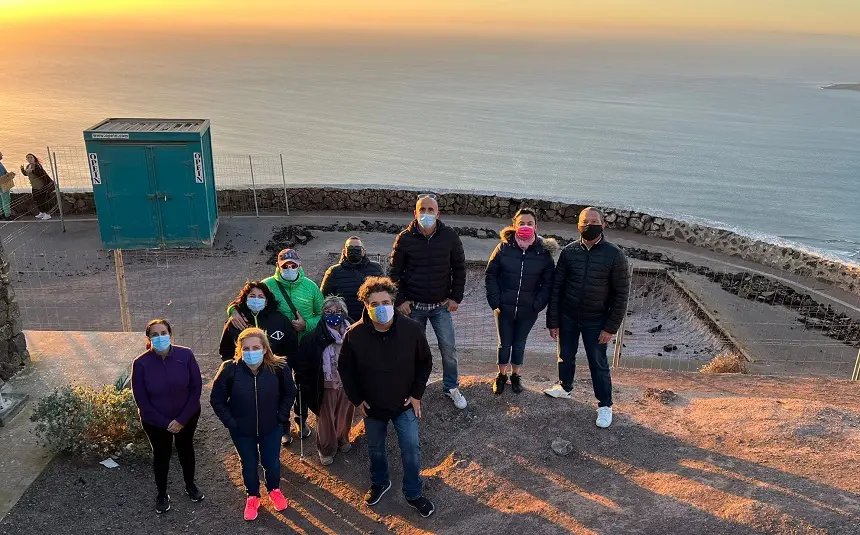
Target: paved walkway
[{"x": 59, "y": 358}]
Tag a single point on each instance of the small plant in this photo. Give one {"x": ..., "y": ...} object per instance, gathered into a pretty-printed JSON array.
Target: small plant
[
  {"x": 726, "y": 362},
  {"x": 84, "y": 420}
]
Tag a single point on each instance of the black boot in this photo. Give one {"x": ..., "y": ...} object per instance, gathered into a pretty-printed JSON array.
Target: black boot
[
  {"x": 499, "y": 383},
  {"x": 516, "y": 383}
]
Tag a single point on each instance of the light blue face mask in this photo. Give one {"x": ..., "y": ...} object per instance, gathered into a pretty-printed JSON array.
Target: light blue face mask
[
  {"x": 252, "y": 357},
  {"x": 427, "y": 220},
  {"x": 256, "y": 304},
  {"x": 160, "y": 343},
  {"x": 290, "y": 274}
]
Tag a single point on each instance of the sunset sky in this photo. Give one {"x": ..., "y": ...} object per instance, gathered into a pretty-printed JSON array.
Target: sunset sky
[{"x": 806, "y": 16}]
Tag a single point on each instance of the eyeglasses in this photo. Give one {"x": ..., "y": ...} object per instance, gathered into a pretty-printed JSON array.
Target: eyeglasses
[{"x": 427, "y": 196}]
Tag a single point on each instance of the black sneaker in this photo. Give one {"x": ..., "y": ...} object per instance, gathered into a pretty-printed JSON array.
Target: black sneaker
[
  {"x": 194, "y": 493},
  {"x": 516, "y": 383},
  {"x": 286, "y": 440},
  {"x": 162, "y": 503},
  {"x": 375, "y": 493},
  {"x": 423, "y": 505},
  {"x": 499, "y": 383}
]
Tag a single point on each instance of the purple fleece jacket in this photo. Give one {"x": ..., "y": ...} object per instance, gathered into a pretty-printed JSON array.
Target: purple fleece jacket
[{"x": 166, "y": 389}]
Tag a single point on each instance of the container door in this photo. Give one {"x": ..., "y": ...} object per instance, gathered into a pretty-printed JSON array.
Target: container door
[
  {"x": 173, "y": 168},
  {"x": 130, "y": 193}
]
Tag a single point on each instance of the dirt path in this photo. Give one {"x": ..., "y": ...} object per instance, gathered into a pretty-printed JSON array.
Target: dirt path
[{"x": 729, "y": 455}]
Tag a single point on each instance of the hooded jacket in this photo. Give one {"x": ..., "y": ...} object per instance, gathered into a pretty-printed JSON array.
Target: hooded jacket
[
  {"x": 282, "y": 336},
  {"x": 254, "y": 405},
  {"x": 519, "y": 282},
  {"x": 345, "y": 278},
  {"x": 590, "y": 286},
  {"x": 303, "y": 292},
  {"x": 428, "y": 269},
  {"x": 384, "y": 368}
]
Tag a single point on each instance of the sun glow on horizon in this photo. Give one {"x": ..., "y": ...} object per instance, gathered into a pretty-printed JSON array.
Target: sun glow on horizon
[{"x": 801, "y": 16}]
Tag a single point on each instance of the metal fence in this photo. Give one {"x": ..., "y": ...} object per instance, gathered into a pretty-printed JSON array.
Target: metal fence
[{"x": 677, "y": 319}]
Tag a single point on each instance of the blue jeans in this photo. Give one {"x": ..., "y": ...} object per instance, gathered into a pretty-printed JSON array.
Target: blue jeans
[
  {"x": 598, "y": 364},
  {"x": 251, "y": 450},
  {"x": 406, "y": 426},
  {"x": 443, "y": 326},
  {"x": 513, "y": 334}
]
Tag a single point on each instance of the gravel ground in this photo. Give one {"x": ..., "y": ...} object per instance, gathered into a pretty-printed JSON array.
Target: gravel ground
[{"x": 728, "y": 455}]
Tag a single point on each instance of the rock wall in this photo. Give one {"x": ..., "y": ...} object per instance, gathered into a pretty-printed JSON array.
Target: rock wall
[
  {"x": 790, "y": 260},
  {"x": 13, "y": 345}
]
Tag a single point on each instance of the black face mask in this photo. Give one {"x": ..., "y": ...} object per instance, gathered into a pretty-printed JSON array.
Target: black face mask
[
  {"x": 591, "y": 232},
  {"x": 354, "y": 254}
]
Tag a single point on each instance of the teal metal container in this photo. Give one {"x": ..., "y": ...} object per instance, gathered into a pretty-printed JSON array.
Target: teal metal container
[{"x": 153, "y": 182}]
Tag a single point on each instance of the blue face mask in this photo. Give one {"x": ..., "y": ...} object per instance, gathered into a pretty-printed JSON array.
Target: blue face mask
[
  {"x": 160, "y": 343},
  {"x": 256, "y": 304},
  {"x": 427, "y": 220},
  {"x": 381, "y": 313},
  {"x": 334, "y": 320},
  {"x": 290, "y": 274},
  {"x": 252, "y": 357}
]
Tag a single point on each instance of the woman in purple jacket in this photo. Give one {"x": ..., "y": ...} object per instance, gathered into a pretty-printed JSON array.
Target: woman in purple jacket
[{"x": 166, "y": 383}]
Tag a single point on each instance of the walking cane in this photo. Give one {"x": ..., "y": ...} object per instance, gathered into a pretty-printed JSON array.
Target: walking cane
[{"x": 301, "y": 430}]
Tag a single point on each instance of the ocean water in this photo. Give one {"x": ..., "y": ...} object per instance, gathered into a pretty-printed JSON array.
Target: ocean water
[{"x": 730, "y": 131}]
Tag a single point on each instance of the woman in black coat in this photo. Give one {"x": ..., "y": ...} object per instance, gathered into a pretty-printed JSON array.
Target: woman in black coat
[
  {"x": 319, "y": 381},
  {"x": 519, "y": 280},
  {"x": 252, "y": 395},
  {"x": 257, "y": 303}
]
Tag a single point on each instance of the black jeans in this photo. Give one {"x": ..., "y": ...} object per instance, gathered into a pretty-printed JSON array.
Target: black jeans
[
  {"x": 595, "y": 352},
  {"x": 161, "y": 441},
  {"x": 513, "y": 334}
]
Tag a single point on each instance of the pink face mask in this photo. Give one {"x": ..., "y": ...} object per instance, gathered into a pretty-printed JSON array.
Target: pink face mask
[{"x": 525, "y": 232}]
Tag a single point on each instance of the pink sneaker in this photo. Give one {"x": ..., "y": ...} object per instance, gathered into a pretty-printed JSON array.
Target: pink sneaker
[
  {"x": 251, "y": 507},
  {"x": 278, "y": 500}
]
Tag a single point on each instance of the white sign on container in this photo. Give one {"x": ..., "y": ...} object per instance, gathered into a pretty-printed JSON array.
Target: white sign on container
[
  {"x": 95, "y": 174},
  {"x": 199, "y": 176}
]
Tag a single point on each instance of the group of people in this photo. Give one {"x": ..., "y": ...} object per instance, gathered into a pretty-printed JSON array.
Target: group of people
[
  {"x": 358, "y": 344},
  {"x": 41, "y": 183}
]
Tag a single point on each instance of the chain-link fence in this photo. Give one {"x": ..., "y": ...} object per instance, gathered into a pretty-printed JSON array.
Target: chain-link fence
[{"x": 676, "y": 320}]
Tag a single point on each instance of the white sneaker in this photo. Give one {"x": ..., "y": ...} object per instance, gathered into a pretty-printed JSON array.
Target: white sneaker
[
  {"x": 40, "y": 215},
  {"x": 459, "y": 400},
  {"x": 557, "y": 391},
  {"x": 46, "y": 217},
  {"x": 604, "y": 417}
]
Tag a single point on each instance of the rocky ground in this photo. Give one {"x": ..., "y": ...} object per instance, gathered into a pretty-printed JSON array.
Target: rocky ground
[{"x": 687, "y": 454}]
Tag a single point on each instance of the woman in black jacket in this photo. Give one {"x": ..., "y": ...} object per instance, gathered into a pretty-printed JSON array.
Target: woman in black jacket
[
  {"x": 256, "y": 301},
  {"x": 252, "y": 396},
  {"x": 320, "y": 383},
  {"x": 519, "y": 280}
]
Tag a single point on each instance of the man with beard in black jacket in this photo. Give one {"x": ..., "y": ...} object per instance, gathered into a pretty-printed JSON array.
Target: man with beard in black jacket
[
  {"x": 589, "y": 299},
  {"x": 384, "y": 365},
  {"x": 428, "y": 265},
  {"x": 346, "y": 277}
]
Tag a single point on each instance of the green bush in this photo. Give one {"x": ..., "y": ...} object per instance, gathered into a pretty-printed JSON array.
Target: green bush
[{"x": 84, "y": 420}]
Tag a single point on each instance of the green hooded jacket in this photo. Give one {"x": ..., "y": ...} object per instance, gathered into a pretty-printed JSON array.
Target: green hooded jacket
[{"x": 304, "y": 293}]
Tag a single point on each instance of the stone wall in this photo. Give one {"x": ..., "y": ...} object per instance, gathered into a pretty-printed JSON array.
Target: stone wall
[
  {"x": 13, "y": 344},
  {"x": 787, "y": 259},
  {"x": 74, "y": 203},
  {"x": 790, "y": 260}
]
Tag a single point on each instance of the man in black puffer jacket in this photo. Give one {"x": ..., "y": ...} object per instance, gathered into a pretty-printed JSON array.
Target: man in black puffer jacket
[
  {"x": 346, "y": 277},
  {"x": 429, "y": 267},
  {"x": 589, "y": 298}
]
